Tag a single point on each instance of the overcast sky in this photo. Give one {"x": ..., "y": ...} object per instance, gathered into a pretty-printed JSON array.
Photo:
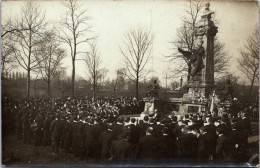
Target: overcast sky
[{"x": 110, "y": 19}]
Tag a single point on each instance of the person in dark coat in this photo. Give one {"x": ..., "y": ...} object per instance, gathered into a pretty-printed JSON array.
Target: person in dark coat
[
  {"x": 225, "y": 124},
  {"x": 143, "y": 127},
  {"x": 74, "y": 137},
  {"x": 157, "y": 130},
  {"x": 56, "y": 130},
  {"x": 46, "y": 130},
  {"x": 203, "y": 146},
  {"x": 27, "y": 129},
  {"x": 105, "y": 140},
  {"x": 118, "y": 128},
  {"x": 187, "y": 144},
  {"x": 120, "y": 151},
  {"x": 167, "y": 149},
  {"x": 39, "y": 130},
  {"x": 148, "y": 147},
  {"x": 67, "y": 136},
  {"x": 81, "y": 134},
  {"x": 247, "y": 123},
  {"x": 96, "y": 144},
  {"x": 211, "y": 130},
  {"x": 134, "y": 132},
  {"x": 223, "y": 147},
  {"x": 90, "y": 139},
  {"x": 19, "y": 125}
]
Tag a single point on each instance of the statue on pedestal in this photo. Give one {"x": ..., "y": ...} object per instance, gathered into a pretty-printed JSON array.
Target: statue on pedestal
[
  {"x": 195, "y": 58},
  {"x": 153, "y": 92}
]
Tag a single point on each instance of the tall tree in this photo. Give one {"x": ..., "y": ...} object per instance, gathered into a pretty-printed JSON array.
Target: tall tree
[
  {"x": 49, "y": 49},
  {"x": 249, "y": 60},
  {"x": 186, "y": 40},
  {"x": 137, "y": 52},
  {"x": 8, "y": 61},
  {"x": 93, "y": 62},
  {"x": 32, "y": 21},
  {"x": 74, "y": 25}
]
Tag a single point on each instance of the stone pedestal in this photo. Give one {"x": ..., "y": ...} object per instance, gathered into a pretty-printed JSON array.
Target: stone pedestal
[{"x": 151, "y": 104}]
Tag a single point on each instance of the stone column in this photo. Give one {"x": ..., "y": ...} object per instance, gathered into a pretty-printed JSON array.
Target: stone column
[{"x": 205, "y": 34}]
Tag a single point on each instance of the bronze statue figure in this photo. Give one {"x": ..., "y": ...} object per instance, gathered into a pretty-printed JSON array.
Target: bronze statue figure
[
  {"x": 153, "y": 92},
  {"x": 195, "y": 59}
]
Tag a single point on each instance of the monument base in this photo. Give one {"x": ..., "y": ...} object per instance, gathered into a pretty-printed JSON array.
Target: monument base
[{"x": 152, "y": 104}]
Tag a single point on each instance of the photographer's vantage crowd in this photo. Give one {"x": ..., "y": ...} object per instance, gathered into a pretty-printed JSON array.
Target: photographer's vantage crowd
[{"x": 100, "y": 131}]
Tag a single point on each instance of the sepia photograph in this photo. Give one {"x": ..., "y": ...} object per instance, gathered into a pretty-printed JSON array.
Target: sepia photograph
[{"x": 130, "y": 83}]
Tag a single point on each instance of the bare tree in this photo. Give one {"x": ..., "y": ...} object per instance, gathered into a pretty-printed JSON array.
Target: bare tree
[
  {"x": 33, "y": 23},
  {"x": 92, "y": 59},
  {"x": 249, "y": 60},
  {"x": 10, "y": 28},
  {"x": 137, "y": 52},
  {"x": 74, "y": 25},
  {"x": 8, "y": 61},
  {"x": 50, "y": 51},
  {"x": 221, "y": 59},
  {"x": 186, "y": 40}
]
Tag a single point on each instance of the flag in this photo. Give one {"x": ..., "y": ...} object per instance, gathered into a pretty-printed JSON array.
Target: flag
[{"x": 212, "y": 102}]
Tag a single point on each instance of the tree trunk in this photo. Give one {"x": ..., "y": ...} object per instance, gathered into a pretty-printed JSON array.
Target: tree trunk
[
  {"x": 251, "y": 87},
  {"x": 73, "y": 78},
  {"x": 49, "y": 88},
  {"x": 94, "y": 86},
  {"x": 136, "y": 88},
  {"x": 189, "y": 71},
  {"x": 114, "y": 91},
  {"x": 28, "y": 83},
  {"x": 94, "y": 91}
]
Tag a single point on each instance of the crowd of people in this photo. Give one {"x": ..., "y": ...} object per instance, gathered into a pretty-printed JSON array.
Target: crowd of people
[{"x": 96, "y": 131}]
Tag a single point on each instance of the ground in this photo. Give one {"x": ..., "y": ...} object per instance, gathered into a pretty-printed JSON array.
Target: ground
[{"x": 16, "y": 153}]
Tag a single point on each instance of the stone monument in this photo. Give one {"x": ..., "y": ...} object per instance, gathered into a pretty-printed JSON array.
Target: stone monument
[{"x": 201, "y": 82}]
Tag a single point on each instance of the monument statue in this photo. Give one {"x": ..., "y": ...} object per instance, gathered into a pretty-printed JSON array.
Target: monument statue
[
  {"x": 201, "y": 60},
  {"x": 153, "y": 92},
  {"x": 195, "y": 58}
]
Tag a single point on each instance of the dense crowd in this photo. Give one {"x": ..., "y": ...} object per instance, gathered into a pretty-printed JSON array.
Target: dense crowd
[{"x": 96, "y": 131}]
